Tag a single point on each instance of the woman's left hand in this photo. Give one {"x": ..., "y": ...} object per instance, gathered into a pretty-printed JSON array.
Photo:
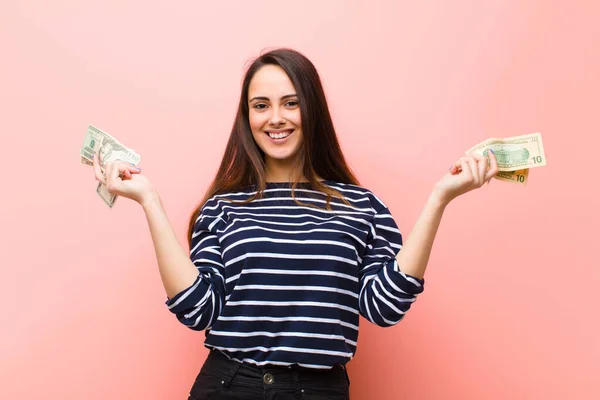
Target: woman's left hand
[{"x": 468, "y": 173}]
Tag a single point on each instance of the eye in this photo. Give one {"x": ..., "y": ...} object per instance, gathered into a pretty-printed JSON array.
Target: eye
[
  {"x": 260, "y": 106},
  {"x": 292, "y": 103}
]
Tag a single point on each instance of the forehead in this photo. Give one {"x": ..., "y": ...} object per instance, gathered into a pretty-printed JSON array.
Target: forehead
[{"x": 270, "y": 81}]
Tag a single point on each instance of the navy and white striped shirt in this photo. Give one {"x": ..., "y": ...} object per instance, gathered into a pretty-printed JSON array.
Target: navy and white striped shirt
[{"x": 284, "y": 284}]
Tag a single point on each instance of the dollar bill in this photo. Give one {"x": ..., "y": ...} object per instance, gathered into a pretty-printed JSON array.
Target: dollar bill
[
  {"x": 107, "y": 149},
  {"x": 519, "y": 176},
  {"x": 515, "y": 155},
  {"x": 104, "y": 194}
]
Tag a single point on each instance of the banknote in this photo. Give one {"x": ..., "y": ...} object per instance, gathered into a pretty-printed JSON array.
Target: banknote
[
  {"x": 515, "y": 155},
  {"x": 519, "y": 176},
  {"x": 107, "y": 149},
  {"x": 108, "y": 198}
]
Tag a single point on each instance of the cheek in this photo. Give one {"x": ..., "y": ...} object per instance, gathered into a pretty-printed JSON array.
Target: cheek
[
  {"x": 254, "y": 122},
  {"x": 296, "y": 119},
  {"x": 256, "y": 125}
]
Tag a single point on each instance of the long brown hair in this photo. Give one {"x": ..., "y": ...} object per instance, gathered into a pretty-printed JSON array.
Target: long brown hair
[{"x": 320, "y": 155}]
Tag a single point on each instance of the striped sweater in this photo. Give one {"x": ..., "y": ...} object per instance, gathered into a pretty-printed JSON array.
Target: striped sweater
[{"x": 281, "y": 283}]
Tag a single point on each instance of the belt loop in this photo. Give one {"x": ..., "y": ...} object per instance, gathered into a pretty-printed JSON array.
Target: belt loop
[
  {"x": 346, "y": 374},
  {"x": 297, "y": 390},
  {"x": 236, "y": 365}
]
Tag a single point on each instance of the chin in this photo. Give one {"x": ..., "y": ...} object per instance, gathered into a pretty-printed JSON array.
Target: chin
[{"x": 281, "y": 156}]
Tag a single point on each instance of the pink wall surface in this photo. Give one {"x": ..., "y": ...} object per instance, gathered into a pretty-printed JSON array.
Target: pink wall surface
[{"x": 510, "y": 309}]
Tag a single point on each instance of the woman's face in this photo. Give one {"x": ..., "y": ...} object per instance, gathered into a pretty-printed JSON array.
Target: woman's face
[{"x": 274, "y": 114}]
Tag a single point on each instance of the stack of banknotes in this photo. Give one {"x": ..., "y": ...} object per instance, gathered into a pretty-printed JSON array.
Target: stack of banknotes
[
  {"x": 515, "y": 155},
  {"x": 107, "y": 149}
]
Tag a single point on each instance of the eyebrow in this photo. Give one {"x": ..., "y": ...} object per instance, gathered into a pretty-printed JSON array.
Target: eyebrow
[{"x": 287, "y": 96}]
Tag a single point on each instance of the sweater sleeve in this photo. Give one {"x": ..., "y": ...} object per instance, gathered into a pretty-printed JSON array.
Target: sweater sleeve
[
  {"x": 386, "y": 293},
  {"x": 199, "y": 306}
]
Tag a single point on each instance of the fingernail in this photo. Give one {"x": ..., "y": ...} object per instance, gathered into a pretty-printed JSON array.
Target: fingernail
[{"x": 451, "y": 167}]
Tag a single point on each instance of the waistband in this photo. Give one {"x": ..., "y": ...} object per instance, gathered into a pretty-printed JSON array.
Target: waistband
[{"x": 220, "y": 365}]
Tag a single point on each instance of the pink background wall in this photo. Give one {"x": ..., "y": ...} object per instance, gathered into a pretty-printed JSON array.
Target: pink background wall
[{"x": 510, "y": 309}]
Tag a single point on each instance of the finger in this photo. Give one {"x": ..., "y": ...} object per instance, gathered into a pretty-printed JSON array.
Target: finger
[
  {"x": 494, "y": 169},
  {"x": 466, "y": 169},
  {"x": 124, "y": 166},
  {"x": 456, "y": 167},
  {"x": 98, "y": 170},
  {"x": 129, "y": 169},
  {"x": 472, "y": 163},
  {"x": 124, "y": 170},
  {"x": 113, "y": 181},
  {"x": 482, "y": 166}
]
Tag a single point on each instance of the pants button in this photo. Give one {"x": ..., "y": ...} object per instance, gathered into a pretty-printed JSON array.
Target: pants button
[{"x": 268, "y": 379}]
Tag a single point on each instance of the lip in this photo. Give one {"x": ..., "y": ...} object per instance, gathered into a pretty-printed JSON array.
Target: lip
[
  {"x": 279, "y": 130},
  {"x": 279, "y": 141}
]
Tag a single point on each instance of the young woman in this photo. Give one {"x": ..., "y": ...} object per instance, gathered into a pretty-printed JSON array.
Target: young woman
[{"x": 286, "y": 248}]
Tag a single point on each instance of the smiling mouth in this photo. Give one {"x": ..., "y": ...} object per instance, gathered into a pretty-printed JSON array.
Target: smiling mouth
[{"x": 279, "y": 134}]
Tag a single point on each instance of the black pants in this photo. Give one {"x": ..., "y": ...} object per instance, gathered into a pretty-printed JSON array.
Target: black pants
[{"x": 221, "y": 378}]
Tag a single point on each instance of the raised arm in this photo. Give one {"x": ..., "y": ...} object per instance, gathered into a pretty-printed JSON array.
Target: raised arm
[
  {"x": 177, "y": 271},
  {"x": 469, "y": 173},
  {"x": 391, "y": 274},
  {"x": 194, "y": 282}
]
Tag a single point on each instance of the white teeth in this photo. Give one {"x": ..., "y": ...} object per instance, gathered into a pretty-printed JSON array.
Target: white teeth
[{"x": 279, "y": 135}]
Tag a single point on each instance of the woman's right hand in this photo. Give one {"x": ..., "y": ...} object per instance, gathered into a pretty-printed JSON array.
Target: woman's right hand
[{"x": 123, "y": 179}]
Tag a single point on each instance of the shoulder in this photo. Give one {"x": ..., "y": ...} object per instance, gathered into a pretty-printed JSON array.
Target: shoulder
[
  {"x": 212, "y": 210},
  {"x": 358, "y": 192},
  {"x": 217, "y": 201}
]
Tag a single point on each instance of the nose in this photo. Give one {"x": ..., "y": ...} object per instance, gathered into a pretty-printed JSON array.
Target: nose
[{"x": 276, "y": 118}]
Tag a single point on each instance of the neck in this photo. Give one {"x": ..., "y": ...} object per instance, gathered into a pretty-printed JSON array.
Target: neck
[{"x": 283, "y": 171}]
